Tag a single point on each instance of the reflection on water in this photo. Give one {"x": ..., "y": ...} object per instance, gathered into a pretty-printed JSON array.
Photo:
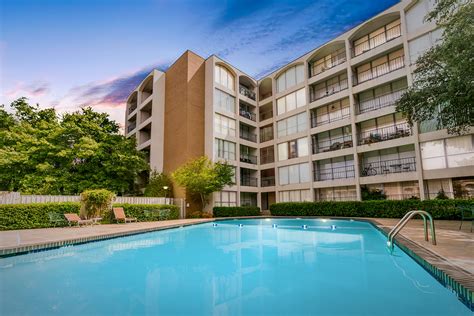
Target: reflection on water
[{"x": 227, "y": 269}]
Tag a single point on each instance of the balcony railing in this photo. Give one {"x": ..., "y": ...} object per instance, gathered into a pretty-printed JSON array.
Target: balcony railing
[
  {"x": 329, "y": 90},
  {"x": 266, "y": 135},
  {"x": 382, "y": 38},
  {"x": 336, "y": 60},
  {"x": 248, "y": 136},
  {"x": 332, "y": 144},
  {"x": 131, "y": 127},
  {"x": 386, "y": 133},
  {"x": 132, "y": 108},
  {"x": 388, "y": 166},
  {"x": 334, "y": 173},
  {"x": 267, "y": 157},
  {"x": 380, "y": 102},
  {"x": 247, "y": 158},
  {"x": 247, "y": 92},
  {"x": 248, "y": 115},
  {"x": 331, "y": 117},
  {"x": 266, "y": 95},
  {"x": 380, "y": 70},
  {"x": 248, "y": 181},
  {"x": 265, "y": 115},
  {"x": 267, "y": 181}
]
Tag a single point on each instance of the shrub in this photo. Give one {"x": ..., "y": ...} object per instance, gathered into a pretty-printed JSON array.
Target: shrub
[
  {"x": 439, "y": 209},
  {"x": 94, "y": 203},
  {"x": 370, "y": 195},
  {"x": 198, "y": 214},
  {"x": 156, "y": 184},
  {"x": 35, "y": 215},
  {"x": 235, "y": 211},
  {"x": 144, "y": 212}
]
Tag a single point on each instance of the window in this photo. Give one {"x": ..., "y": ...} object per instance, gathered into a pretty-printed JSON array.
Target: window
[
  {"x": 293, "y": 149},
  {"x": 421, "y": 44},
  {"x": 329, "y": 61},
  {"x": 448, "y": 153},
  {"x": 225, "y": 198},
  {"x": 224, "y": 101},
  {"x": 248, "y": 199},
  {"x": 224, "y": 77},
  {"x": 377, "y": 37},
  {"x": 329, "y": 113},
  {"x": 224, "y": 125},
  {"x": 225, "y": 149},
  {"x": 347, "y": 193},
  {"x": 292, "y": 125},
  {"x": 295, "y": 196},
  {"x": 294, "y": 174},
  {"x": 415, "y": 15},
  {"x": 291, "y": 101},
  {"x": 290, "y": 78},
  {"x": 329, "y": 87}
]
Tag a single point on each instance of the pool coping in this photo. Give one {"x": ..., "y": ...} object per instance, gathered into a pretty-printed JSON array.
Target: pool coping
[{"x": 453, "y": 277}]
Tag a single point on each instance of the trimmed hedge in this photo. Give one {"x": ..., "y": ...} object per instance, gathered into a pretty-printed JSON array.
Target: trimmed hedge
[
  {"x": 35, "y": 215},
  {"x": 235, "y": 211},
  {"x": 439, "y": 209}
]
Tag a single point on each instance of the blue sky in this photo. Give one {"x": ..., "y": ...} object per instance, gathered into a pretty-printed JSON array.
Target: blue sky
[{"x": 69, "y": 53}]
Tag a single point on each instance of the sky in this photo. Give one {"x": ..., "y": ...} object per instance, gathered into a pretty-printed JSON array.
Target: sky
[{"x": 71, "y": 53}]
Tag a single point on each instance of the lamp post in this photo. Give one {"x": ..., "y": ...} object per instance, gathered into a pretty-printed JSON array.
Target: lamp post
[{"x": 166, "y": 191}]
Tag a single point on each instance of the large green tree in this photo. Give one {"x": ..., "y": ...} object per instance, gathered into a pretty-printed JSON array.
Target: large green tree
[
  {"x": 44, "y": 153},
  {"x": 203, "y": 177},
  {"x": 443, "y": 87}
]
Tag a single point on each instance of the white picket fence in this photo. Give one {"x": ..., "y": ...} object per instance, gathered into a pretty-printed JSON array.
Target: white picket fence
[{"x": 18, "y": 198}]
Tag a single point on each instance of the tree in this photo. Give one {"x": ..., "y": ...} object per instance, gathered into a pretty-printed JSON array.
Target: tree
[
  {"x": 443, "y": 87},
  {"x": 203, "y": 177},
  {"x": 43, "y": 153},
  {"x": 156, "y": 184},
  {"x": 95, "y": 202}
]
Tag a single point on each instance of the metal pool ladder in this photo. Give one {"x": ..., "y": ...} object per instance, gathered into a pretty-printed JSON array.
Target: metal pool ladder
[{"x": 395, "y": 230}]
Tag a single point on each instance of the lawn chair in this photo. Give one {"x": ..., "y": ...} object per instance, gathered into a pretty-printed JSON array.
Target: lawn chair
[
  {"x": 74, "y": 219},
  {"x": 467, "y": 214},
  {"x": 120, "y": 215},
  {"x": 56, "y": 219}
]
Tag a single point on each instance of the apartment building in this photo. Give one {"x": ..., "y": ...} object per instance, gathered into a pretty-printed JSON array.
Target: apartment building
[{"x": 323, "y": 127}]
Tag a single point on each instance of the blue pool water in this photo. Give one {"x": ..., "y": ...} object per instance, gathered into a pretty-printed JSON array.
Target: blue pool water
[{"x": 255, "y": 269}]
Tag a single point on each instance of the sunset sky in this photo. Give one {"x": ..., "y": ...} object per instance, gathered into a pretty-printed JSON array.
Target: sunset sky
[{"x": 93, "y": 52}]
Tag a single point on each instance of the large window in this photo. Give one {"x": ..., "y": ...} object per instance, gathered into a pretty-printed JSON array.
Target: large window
[
  {"x": 377, "y": 37},
  {"x": 347, "y": 193},
  {"x": 225, "y": 198},
  {"x": 224, "y": 125},
  {"x": 291, "y": 101},
  {"x": 290, "y": 77},
  {"x": 224, "y": 77},
  {"x": 295, "y": 196},
  {"x": 292, "y": 125},
  {"x": 448, "y": 153},
  {"x": 415, "y": 15},
  {"x": 294, "y": 174},
  {"x": 329, "y": 113},
  {"x": 224, "y": 101},
  {"x": 225, "y": 149},
  {"x": 421, "y": 44},
  {"x": 293, "y": 149}
]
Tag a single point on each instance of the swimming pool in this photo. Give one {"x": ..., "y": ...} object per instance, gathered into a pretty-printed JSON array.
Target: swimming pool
[{"x": 239, "y": 267}]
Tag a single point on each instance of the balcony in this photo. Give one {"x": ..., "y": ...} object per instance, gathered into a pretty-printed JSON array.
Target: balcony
[
  {"x": 131, "y": 127},
  {"x": 334, "y": 173},
  {"x": 132, "y": 108},
  {"x": 331, "y": 117},
  {"x": 267, "y": 155},
  {"x": 332, "y": 144},
  {"x": 380, "y": 70},
  {"x": 247, "y": 114},
  {"x": 247, "y": 158},
  {"x": 327, "y": 64},
  {"x": 382, "y": 38},
  {"x": 248, "y": 181},
  {"x": 267, "y": 181},
  {"x": 316, "y": 94},
  {"x": 266, "y": 134},
  {"x": 248, "y": 136},
  {"x": 266, "y": 114},
  {"x": 247, "y": 92},
  {"x": 388, "y": 167},
  {"x": 386, "y": 133},
  {"x": 383, "y": 101}
]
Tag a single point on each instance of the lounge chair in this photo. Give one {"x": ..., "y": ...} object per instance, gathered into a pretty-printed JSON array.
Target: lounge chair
[
  {"x": 467, "y": 214},
  {"x": 120, "y": 216},
  {"x": 74, "y": 219}
]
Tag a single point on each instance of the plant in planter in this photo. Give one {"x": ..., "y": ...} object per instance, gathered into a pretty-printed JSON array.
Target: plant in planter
[{"x": 94, "y": 203}]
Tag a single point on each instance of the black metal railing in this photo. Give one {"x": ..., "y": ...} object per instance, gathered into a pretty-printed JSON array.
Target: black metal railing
[
  {"x": 248, "y": 115},
  {"x": 332, "y": 144},
  {"x": 247, "y": 92},
  {"x": 265, "y": 115},
  {"x": 386, "y": 133},
  {"x": 267, "y": 181},
  {"x": 334, "y": 173},
  {"x": 248, "y": 136},
  {"x": 382, "y": 38},
  {"x": 329, "y": 90},
  {"x": 379, "y": 70},
  {"x": 382, "y": 101},
  {"x": 266, "y": 135},
  {"x": 247, "y": 158},
  {"x": 388, "y": 166},
  {"x": 249, "y": 181},
  {"x": 321, "y": 67},
  {"x": 331, "y": 117},
  {"x": 131, "y": 127}
]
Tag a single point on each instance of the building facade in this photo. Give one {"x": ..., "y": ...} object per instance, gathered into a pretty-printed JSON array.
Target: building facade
[{"x": 323, "y": 127}]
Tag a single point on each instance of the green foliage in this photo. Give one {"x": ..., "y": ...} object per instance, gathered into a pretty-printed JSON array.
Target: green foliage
[
  {"x": 156, "y": 183},
  {"x": 22, "y": 216},
  {"x": 95, "y": 202},
  {"x": 203, "y": 177},
  {"x": 370, "y": 195},
  {"x": 439, "y": 209},
  {"x": 441, "y": 195},
  {"x": 42, "y": 153},
  {"x": 235, "y": 211},
  {"x": 145, "y": 212},
  {"x": 442, "y": 88}
]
